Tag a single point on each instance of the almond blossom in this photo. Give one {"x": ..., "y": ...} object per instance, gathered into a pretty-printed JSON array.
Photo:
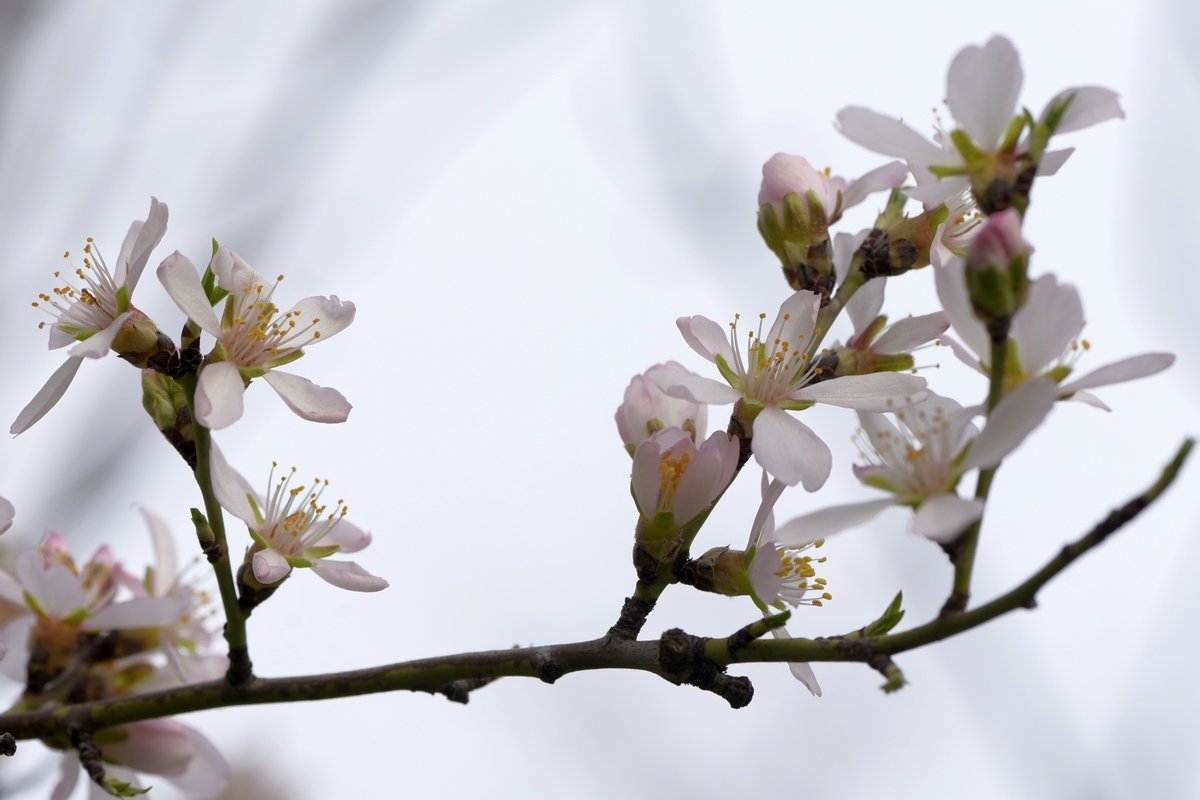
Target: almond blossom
[
  {"x": 672, "y": 476},
  {"x": 982, "y": 90},
  {"x": 291, "y": 528},
  {"x": 785, "y": 174},
  {"x": 162, "y": 747},
  {"x": 254, "y": 338},
  {"x": 1044, "y": 337},
  {"x": 920, "y": 461},
  {"x": 647, "y": 409},
  {"x": 94, "y": 314},
  {"x": 778, "y": 375}
]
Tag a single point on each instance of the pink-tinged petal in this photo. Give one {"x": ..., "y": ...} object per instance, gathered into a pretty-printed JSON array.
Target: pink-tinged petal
[
  {"x": 1127, "y": 369},
  {"x": 699, "y": 485},
  {"x": 56, "y": 588},
  {"x": 706, "y": 337},
  {"x": 47, "y": 396},
  {"x": 797, "y": 319},
  {"x": 1013, "y": 418},
  {"x": 800, "y": 670},
  {"x": 98, "y": 344},
  {"x": 879, "y": 391},
  {"x": 348, "y": 537},
  {"x": 1047, "y": 324},
  {"x": 308, "y": 400},
  {"x": 140, "y": 612},
  {"x": 219, "y": 395},
  {"x": 982, "y": 90},
  {"x": 789, "y": 450},
  {"x": 333, "y": 315},
  {"x": 645, "y": 479},
  {"x": 699, "y": 390},
  {"x": 951, "y": 282},
  {"x": 233, "y": 273},
  {"x": 15, "y": 638},
  {"x": 348, "y": 575},
  {"x": 1053, "y": 160},
  {"x": 270, "y": 566},
  {"x": 233, "y": 491},
  {"x": 7, "y": 513},
  {"x": 1091, "y": 105},
  {"x": 911, "y": 332},
  {"x": 165, "y": 558},
  {"x": 68, "y": 776},
  {"x": 141, "y": 239},
  {"x": 809, "y": 528},
  {"x": 157, "y": 746},
  {"x": 12, "y": 598},
  {"x": 944, "y": 516},
  {"x": 890, "y": 176},
  {"x": 178, "y": 276},
  {"x": 207, "y": 776},
  {"x": 888, "y": 136},
  {"x": 785, "y": 174},
  {"x": 1089, "y": 399}
]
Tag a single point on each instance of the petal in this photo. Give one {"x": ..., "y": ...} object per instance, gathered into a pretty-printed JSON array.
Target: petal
[
  {"x": 166, "y": 560},
  {"x": 801, "y": 671},
  {"x": 140, "y": 612},
  {"x": 1053, "y": 160},
  {"x": 270, "y": 566},
  {"x": 7, "y": 512},
  {"x": 207, "y": 776},
  {"x": 706, "y": 337},
  {"x": 789, "y": 450},
  {"x": 934, "y": 191},
  {"x": 47, "y": 396},
  {"x": 157, "y": 746},
  {"x": 943, "y": 517},
  {"x": 219, "y": 395},
  {"x": 951, "y": 281},
  {"x": 809, "y": 528},
  {"x": 796, "y": 320},
  {"x": 785, "y": 174},
  {"x": 982, "y": 90},
  {"x": 1013, "y": 418},
  {"x": 844, "y": 246},
  {"x": 310, "y": 401},
  {"x": 1127, "y": 369},
  {"x": 698, "y": 389},
  {"x": 233, "y": 273},
  {"x": 879, "y": 391},
  {"x": 178, "y": 276},
  {"x": 348, "y": 575},
  {"x": 911, "y": 332},
  {"x": 348, "y": 537},
  {"x": 68, "y": 771},
  {"x": 1090, "y": 105},
  {"x": 699, "y": 485},
  {"x": 890, "y": 176},
  {"x": 1047, "y": 324},
  {"x": 888, "y": 136},
  {"x": 1089, "y": 399},
  {"x": 132, "y": 262},
  {"x": 56, "y": 588},
  {"x": 97, "y": 345},
  {"x": 331, "y": 314},
  {"x": 233, "y": 492}
]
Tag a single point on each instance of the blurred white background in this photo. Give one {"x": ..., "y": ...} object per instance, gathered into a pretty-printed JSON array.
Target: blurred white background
[{"x": 521, "y": 198}]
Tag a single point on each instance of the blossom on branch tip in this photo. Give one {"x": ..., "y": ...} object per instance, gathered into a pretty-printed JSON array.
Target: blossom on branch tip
[
  {"x": 254, "y": 338},
  {"x": 291, "y": 528},
  {"x": 96, "y": 316},
  {"x": 647, "y": 409},
  {"x": 779, "y": 374},
  {"x": 1044, "y": 338}
]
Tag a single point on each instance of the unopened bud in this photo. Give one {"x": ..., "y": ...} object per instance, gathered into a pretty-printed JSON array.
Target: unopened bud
[
  {"x": 797, "y": 204},
  {"x": 722, "y": 571},
  {"x": 998, "y": 269}
]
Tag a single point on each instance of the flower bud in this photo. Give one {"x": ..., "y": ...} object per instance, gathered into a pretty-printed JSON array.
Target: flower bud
[
  {"x": 722, "y": 570},
  {"x": 647, "y": 409},
  {"x": 998, "y": 269},
  {"x": 797, "y": 204}
]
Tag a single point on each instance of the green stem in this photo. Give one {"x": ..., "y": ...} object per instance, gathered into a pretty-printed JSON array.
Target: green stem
[{"x": 968, "y": 544}]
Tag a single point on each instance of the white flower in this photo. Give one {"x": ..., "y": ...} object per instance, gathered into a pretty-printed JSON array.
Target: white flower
[
  {"x": 785, "y": 174},
  {"x": 291, "y": 528},
  {"x": 1045, "y": 336},
  {"x": 672, "y": 475},
  {"x": 254, "y": 338},
  {"x": 921, "y": 460},
  {"x": 982, "y": 89},
  {"x": 777, "y": 375},
  {"x": 647, "y": 409},
  {"x": 91, "y": 315}
]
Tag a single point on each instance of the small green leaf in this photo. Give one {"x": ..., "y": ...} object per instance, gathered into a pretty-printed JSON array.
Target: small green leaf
[
  {"x": 116, "y": 788},
  {"x": 889, "y": 619}
]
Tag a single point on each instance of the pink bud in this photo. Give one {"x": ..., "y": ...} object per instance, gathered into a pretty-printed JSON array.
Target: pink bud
[
  {"x": 784, "y": 174},
  {"x": 998, "y": 243}
]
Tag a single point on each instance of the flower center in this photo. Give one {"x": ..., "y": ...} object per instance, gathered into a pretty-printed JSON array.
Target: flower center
[
  {"x": 670, "y": 471},
  {"x": 295, "y": 519},
  {"x": 256, "y": 334},
  {"x": 772, "y": 368},
  {"x": 85, "y": 308}
]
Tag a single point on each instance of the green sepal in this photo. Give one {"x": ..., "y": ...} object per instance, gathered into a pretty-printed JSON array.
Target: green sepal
[
  {"x": 795, "y": 218},
  {"x": 966, "y": 148},
  {"x": 1014, "y": 131},
  {"x": 34, "y": 605},
  {"x": 117, "y": 788},
  {"x": 1059, "y": 373},
  {"x": 796, "y": 405},
  {"x": 889, "y": 619},
  {"x": 324, "y": 551},
  {"x": 299, "y": 563},
  {"x": 878, "y": 482},
  {"x": 122, "y": 298},
  {"x": 941, "y": 171},
  {"x": 726, "y": 371},
  {"x": 286, "y": 359},
  {"x": 76, "y": 617}
]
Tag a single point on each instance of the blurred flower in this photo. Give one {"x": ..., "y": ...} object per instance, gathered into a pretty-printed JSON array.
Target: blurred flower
[
  {"x": 253, "y": 338},
  {"x": 647, "y": 409},
  {"x": 291, "y": 528},
  {"x": 1044, "y": 337},
  {"x": 776, "y": 376},
  {"x": 97, "y": 316},
  {"x": 7, "y": 513}
]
